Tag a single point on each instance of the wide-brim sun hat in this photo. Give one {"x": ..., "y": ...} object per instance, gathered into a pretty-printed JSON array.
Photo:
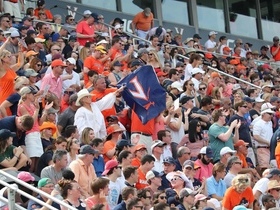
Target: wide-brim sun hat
[{"x": 81, "y": 94}]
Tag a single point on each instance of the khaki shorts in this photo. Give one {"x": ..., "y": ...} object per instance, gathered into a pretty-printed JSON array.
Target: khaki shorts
[{"x": 263, "y": 157}]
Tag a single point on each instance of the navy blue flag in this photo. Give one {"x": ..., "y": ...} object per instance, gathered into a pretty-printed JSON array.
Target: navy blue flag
[{"x": 143, "y": 93}]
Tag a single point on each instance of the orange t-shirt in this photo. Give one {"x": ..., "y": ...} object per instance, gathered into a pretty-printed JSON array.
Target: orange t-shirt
[
  {"x": 117, "y": 53},
  {"x": 277, "y": 154},
  {"x": 243, "y": 159},
  {"x": 93, "y": 64},
  {"x": 108, "y": 145},
  {"x": 277, "y": 56},
  {"x": 48, "y": 13},
  {"x": 136, "y": 162},
  {"x": 84, "y": 28},
  {"x": 99, "y": 95},
  {"x": 143, "y": 22},
  {"x": 7, "y": 86},
  {"x": 232, "y": 198},
  {"x": 142, "y": 182},
  {"x": 137, "y": 125}
]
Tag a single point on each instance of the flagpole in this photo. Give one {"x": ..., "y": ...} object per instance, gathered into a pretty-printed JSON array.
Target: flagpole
[{"x": 221, "y": 72}]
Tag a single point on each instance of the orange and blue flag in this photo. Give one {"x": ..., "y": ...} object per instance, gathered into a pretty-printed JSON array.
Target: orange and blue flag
[{"x": 143, "y": 93}]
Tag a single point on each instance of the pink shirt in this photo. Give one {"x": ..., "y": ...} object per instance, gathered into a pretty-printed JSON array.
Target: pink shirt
[
  {"x": 54, "y": 83},
  {"x": 30, "y": 109},
  {"x": 204, "y": 172}
]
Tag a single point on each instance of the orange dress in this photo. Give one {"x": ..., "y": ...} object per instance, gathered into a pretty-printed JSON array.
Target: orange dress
[{"x": 7, "y": 86}]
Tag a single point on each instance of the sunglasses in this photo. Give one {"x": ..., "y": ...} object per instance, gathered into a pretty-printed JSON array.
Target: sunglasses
[
  {"x": 162, "y": 197},
  {"x": 150, "y": 54},
  {"x": 244, "y": 106},
  {"x": 238, "y": 163},
  {"x": 69, "y": 92},
  {"x": 191, "y": 84},
  {"x": 204, "y": 88},
  {"x": 176, "y": 178},
  {"x": 39, "y": 65},
  {"x": 243, "y": 180},
  {"x": 57, "y": 49},
  {"x": 198, "y": 125}
]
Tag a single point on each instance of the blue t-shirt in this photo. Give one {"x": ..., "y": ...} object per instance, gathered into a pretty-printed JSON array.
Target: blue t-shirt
[
  {"x": 14, "y": 99},
  {"x": 10, "y": 124},
  {"x": 214, "y": 187},
  {"x": 98, "y": 164}
]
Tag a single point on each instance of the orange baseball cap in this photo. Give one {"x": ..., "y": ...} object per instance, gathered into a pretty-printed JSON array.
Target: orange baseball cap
[
  {"x": 58, "y": 62},
  {"x": 240, "y": 143},
  {"x": 139, "y": 147},
  {"x": 208, "y": 55},
  {"x": 215, "y": 74},
  {"x": 227, "y": 49},
  {"x": 234, "y": 62}
]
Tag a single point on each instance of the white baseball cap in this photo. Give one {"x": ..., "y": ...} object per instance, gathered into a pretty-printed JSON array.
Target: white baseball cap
[{"x": 226, "y": 150}]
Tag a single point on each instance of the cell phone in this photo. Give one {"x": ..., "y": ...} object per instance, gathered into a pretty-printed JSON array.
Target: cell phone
[{"x": 22, "y": 42}]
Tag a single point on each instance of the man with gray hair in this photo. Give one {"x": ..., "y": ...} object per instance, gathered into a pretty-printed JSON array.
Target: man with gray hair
[
  {"x": 183, "y": 154},
  {"x": 54, "y": 171},
  {"x": 235, "y": 165},
  {"x": 84, "y": 170},
  {"x": 67, "y": 117}
]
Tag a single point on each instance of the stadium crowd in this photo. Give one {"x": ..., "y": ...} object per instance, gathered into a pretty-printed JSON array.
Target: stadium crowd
[{"x": 65, "y": 127}]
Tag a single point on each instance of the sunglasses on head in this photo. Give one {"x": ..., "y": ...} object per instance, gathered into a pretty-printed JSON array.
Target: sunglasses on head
[{"x": 243, "y": 180}]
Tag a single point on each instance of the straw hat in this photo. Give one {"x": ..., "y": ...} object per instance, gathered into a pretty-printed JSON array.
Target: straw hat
[{"x": 82, "y": 93}]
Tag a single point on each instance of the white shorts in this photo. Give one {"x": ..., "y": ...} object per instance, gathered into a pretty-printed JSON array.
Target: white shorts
[{"x": 33, "y": 144}]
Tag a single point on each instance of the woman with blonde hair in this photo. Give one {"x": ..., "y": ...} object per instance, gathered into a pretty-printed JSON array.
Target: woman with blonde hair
[
  {"x": 154, "y": 61},
  {"x": 73, "y": 147},
  {"x": 8, "y": 71},
  {"x": 240, "y": 193},
  {"x": 84, "y": 52},
  {"x": 29, "y": 104},
  {"x": 11, "y": 102},
  {"x": 87, "y": 136}
]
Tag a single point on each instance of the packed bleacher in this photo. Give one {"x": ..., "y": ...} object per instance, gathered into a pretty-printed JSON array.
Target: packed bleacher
[{"x": 66, "y": 127}]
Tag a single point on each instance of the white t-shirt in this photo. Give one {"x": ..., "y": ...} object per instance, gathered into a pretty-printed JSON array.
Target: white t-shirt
[
  {"x": 176, "y": 135},
  {"x": 114, "y": 193},
  {"x": 74, "y": 81},
  {"x": 261, "y": 186},
  {"x": 188, "y": 72},
  {"x": 158, "y": 165},
  {"x": 264, "y": 130},
  {"x": 209, "y": 44}
]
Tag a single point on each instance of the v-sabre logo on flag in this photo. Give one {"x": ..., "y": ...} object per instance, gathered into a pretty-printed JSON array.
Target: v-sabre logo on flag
[{"x": 143, "y": 93}]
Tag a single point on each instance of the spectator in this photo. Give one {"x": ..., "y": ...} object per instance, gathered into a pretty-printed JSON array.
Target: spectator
[
  {"x": 204, "y": 161},
  {"x": 46, "y": 159},
  {"x": 186, "y": 199},
  {"x": 11, "y": 157},
  {"x": 273, "y": 189},
  {"x": 54, "y": 171},
  {"x": 210, "y": 45},
  {"x": 11, "y": 103},
  {"x": 140, "y": 151},
  {"x": 169, "y": 166},
  {"x": 190, "y": 169},
  {"x": 113, "y": 172},
  {"x": 85, "y": 31},
  {"x": 240, "y": 193},
  {"x": 157, "y": 151},
  {"x": 128, "y": 193},
  {"x": 274, "y": 49},
  {"x": 142, "y": 23},
  {"x": 147, "y": 163},
  {"x": 221, "y": 136},
  {"x": 70, "y": 191},
  {"x": 268, "y": 202},
  {"x": 82, "y": 176},
  {"x": 74, "y": 82},
  {"x": 100, "y": 189},
  {"x": 154, "y": 180},
  {"x": 215, "y": 184},
  {"x": 47, "y": 130},
  {"x": 46, "y": 185},
  {"x": 262, "y": 132},
  {"x": 130, "y": 174},
  {"x": 73, "y": 147},
  {"x": 261, "y": 186},
  {"x": 235, "y": 166},
  {"x": 41, "y": 9},
  {"x": 67, "y": 116}
]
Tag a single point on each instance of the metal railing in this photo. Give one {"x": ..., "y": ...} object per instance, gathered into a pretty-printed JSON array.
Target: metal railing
[
  {"x": 221, "y": 72},
  {"x": 12, "y": 190}
]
